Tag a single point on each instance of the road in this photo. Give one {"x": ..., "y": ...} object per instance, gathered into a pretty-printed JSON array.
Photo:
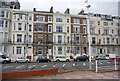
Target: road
[{"x": 9, "y": 67}]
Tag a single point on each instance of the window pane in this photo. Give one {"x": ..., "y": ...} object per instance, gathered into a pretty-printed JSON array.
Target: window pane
[
  {"x": 19, "y": 49},
  {"x": 105, "y": 23},
  {"x": 19, "y": 26},
  {"x": 91, "y": 22},
  {"x": 59, "y": 39},
  {"x": 2, "y": 13},
  {"x": 67, "y": 20},
  {"x": 19, "y": 38},
  {"x": 58, "y": 28},
  {"x": 39, "y": 18},
  {"x": 40, "y": 27},
  {"x": 39, "y": 50},
  {"x": 7, "y": 14},
  {"x": 58, "y": 19},
  {"x": 1, "y": 23},
  {"x": 1, "y": 36},
  {"x": 30, "y": 27},
  {"x": 59, "y": 50},
  {"x": 76, "y": 29},
  {"x": 93, "y": 40},
  {"x": 6, "y": 24},
  {"x": 77, "y": 21},
  {"x": 92, "y": 31},
  {"x": 94, "y": 50}
]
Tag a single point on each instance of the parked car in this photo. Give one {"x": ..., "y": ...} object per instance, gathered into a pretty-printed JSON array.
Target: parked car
[
  {"x": 111, "y": 56},
  {"x": 101, "y": 58},
  {"x": 61, "y": 58},
  {"x": 81, "y": 58},
  {"x": 22, "y": 59},
  {"x": 4, "y": 58},
  {"x": 43, "y": 59}
]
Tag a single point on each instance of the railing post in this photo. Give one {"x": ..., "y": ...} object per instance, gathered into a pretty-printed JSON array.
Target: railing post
[
  {"x": 96, "y": 66},
  {"x": 115, "y": 64}
]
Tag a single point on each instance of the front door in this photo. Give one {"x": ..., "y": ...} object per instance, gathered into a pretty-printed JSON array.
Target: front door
[{"x": 100, "y": 51}]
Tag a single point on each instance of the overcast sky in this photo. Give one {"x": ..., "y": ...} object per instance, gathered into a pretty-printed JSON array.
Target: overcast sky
[{"x": 109, "y": 7}]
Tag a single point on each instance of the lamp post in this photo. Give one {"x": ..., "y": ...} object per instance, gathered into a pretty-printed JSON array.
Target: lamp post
[{"x": 88, "y": 27}]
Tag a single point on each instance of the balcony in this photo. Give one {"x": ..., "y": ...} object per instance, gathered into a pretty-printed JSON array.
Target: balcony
[
  {"x": 103, "y": 44},
  {"x": 43, "y": 43},
  {"x": 5, "y": 42},
  {"x": 63, "y": 43},
  {"x": 22, "y": 43}
]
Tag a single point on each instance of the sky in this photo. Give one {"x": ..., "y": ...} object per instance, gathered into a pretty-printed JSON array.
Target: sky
[{"x": 109, "y": 7}]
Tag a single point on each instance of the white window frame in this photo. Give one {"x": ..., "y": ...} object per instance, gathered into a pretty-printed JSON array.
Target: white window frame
[
  {"x": 105, "y": 23},
  {"x": 7, "y": 14},
  {"x": 19, "y": 38},
  {"x": 68, "y": 29},
  {"x": 1, "y": 36},
  {"x": 91, "y": 22},
  {"x": 6, "y": 23},
  {"x": 108, "y": 41},
  {"x": 30, "y": 18},
  {"x": 41, "y": 27},
  {"x": 19, "y": 26},
  {"x": 106, "y": 31},
  {"x": 49, "y": 27},
  {"x": 84, "y": 30},
  {"x": 49, "y": 18},
  {"x": 94, "y": 40},
  {"x": 94, "y": 50},
  {"x": 68, "y": 20},
  {"x": 19, "y": 50},
  {"x": 1, "y": 23},
  {"x": 84, "y": 21},
  {"x": 58, "y": 19},
  {"x": 40, "y": 18},
  {"x": 30, "y": 39},
  {"x": 92, "y": 30},
  {"x": 78, "y": 41},
  {"x": 59, "y": 29},
  {"x": 77, "y": 21},
  {"x": 54, "y": 39},
  {"x": 68, "y": 50},
  {"x": 59, "y": 39},
  {"x": 68, "y": 39},
  {"x": 2, "y": 14},
  {"x": 5, "y": 36},
  {"x": 40, "y": 50},
  {"x": 76, "y": 29},
  {"x": 60, "y": 51},
  {"x": 30, "y": 27},
  {"x": 77, "y": 50}
]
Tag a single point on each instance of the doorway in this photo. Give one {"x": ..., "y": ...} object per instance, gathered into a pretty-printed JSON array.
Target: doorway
[{"x": 101, "y": 51}]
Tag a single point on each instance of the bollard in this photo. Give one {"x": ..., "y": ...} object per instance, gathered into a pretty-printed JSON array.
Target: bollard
[
  {"x": 115, "y": 64},
  {"x": 96, "y": 66},
  {"x": 63, "y": 66}
]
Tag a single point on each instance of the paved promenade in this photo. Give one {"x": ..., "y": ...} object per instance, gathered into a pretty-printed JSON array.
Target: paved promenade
[{"x": 80, "y": 75}]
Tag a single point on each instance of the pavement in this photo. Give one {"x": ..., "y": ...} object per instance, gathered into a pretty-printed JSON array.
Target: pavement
[{"x": 80, "y": 75}]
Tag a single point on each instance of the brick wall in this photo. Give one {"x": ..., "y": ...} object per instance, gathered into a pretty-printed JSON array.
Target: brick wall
[{"x": 18, "y": 74}]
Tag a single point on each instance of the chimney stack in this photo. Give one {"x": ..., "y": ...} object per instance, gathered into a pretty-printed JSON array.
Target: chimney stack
[
  {"x": 81, "y": 12},
  {"x": 51, "y": 9},
  {"x": 67, "y": 11},
  {"x": 34, "y": 9}
]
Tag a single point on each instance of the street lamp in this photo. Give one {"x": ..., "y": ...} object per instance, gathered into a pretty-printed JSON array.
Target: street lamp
[{"x": 88, "y": 26}]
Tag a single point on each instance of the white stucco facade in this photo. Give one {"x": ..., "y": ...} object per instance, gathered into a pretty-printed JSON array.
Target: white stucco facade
[
  {"x": 22, "y": 34},
  {"x": 106, "y": 36},
  {"x": 61, "y": 35}
]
